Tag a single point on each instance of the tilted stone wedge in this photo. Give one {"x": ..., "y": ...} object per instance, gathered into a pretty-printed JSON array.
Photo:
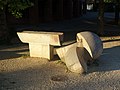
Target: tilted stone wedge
[
  {"x": 75, "y": 61},
  {"x": 74, "y": 57},
  {"x": 62, "y": 51}
]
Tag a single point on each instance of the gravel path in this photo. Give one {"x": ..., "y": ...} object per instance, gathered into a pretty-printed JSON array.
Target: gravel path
[{"x": 20, "y": 72}]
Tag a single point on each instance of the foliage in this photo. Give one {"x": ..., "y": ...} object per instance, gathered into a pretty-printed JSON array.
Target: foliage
[
  {"x": 109, "y": 1},
  {"x": 15, "y": 6}
]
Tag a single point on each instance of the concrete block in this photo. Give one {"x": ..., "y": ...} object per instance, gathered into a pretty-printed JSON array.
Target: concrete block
[
  {"x": 40, "y": 50},
  {"x": 41, "y": 44}
]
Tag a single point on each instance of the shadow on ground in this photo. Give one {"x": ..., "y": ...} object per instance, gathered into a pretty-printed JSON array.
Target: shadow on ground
[
  {"x": 39, "y": 76},
  {"x": 109, "y": 60},
  {"x": 10, "y": 52}
]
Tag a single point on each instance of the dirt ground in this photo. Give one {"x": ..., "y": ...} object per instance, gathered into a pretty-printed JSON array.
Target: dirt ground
[{"x": 18, "y": 71}]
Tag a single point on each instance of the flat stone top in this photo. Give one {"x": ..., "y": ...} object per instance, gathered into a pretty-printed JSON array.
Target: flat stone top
[
  {"x": 52, "y": 38},
  {"x": 42, "y": 32}
]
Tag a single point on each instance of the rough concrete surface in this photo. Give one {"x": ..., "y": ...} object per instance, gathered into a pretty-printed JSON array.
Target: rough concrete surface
[{"x": 18, "y": 71}]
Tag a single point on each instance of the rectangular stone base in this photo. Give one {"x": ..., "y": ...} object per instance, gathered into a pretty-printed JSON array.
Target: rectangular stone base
[{"x": 40, "y": 50}]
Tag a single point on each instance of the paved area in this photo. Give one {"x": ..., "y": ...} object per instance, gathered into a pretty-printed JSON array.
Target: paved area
[{"x": 85, "y": 22}]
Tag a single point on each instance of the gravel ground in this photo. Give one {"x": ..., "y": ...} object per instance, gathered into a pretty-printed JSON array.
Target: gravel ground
[{"x": 18, "y": 71}]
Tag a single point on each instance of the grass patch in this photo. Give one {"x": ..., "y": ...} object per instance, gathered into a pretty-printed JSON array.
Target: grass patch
[
  {"x": 60, "y": 62},
  {"x": 25, "y": 56}
]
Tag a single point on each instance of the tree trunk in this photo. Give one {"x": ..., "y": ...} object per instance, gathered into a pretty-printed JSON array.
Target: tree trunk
[
  {"x": 117, "y": 12},
  {"x": 94, "y": 6},
  {"x": 3, "y": 27},
  {"x": 84, "y": 6},
  {"x": 101, "y": 17}
]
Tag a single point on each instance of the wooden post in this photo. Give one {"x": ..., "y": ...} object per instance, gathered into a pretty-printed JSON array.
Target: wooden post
[
  {"x": 57, "y": 9},
  {"x": 34, "y": 13},
  {"x": 80, "y": 7},
  {"x": 76, "y": 9},
  {"x": 48, "y": 11},
  {"x": 68, "y": 9},
  {"x": 60, "y": 14}
]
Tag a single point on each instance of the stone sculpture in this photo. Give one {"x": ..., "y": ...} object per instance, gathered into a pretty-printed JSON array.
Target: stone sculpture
[
  {"x": 87, "y": 48},
  {"x": 76, "y": 56}
]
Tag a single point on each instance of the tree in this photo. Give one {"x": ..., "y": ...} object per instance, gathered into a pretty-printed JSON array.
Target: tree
[
  {"x": 101, "y": 13},
  {"x": 117, "y": 9},
  {"x": 14, "y": 7},
  {"x": 117, "y": 6},
  {"x": 101, "y": 17}
]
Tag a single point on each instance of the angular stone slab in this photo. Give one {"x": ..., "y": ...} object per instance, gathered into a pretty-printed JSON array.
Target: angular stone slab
[
  {"x": 62, "y": 51},
  {"x": 75, "y": 57},
  {"x": 91, "y": 42},
  {"x": 41, "y": 44},
  {"x": 75, "y": 60},
  {"x": 51, "y": 38}
]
